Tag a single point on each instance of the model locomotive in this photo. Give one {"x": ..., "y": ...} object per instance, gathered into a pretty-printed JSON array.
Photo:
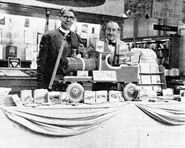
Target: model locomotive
[{"x": 98, "y": 74}]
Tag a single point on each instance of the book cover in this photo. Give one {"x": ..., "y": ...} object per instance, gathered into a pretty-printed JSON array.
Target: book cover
[{"x": 11, "y": 51}]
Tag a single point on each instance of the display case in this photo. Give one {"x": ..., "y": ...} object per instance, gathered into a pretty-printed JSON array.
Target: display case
[{"x": 18, "y": 79}]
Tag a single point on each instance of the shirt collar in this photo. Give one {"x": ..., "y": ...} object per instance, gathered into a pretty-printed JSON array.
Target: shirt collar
[
  {"x": 64, "y": 31},
  {"x": 114, "y": 41}
]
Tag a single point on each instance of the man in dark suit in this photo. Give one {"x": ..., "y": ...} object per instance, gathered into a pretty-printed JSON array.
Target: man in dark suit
[{"x": 50, "y": 45}]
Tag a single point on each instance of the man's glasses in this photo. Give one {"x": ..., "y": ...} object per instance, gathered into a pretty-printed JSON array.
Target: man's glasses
[
  {"x": 111, "y": 29},
  {"x": 70, "y": 18}
]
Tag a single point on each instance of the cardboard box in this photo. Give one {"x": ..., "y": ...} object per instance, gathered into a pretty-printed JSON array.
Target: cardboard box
[
  {"x": 182, "y": 95},
  {"x": 54, "y": 97},
  {"x": 26, "y": 96},
  {"x": 115, "y": 96},
  {"x": 89, "y": 97},
  {"x": 40, "y": 95},
  {"x": 6, "y": 100},
  {"x": 64, "y": 97},
  {"x": 101, "y": 96}
]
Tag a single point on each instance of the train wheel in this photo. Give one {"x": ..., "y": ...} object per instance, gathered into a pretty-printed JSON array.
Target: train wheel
[
  {"x": 75, "y": 92},
  {"x": 130, "y": 92}
]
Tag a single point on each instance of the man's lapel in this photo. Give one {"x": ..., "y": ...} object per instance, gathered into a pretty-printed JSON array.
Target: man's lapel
[{"x": 58, "y": 39}]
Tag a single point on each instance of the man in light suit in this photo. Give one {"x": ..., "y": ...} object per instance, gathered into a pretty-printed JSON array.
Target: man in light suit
[
  {"x": 118, "y": 49},
  {"x": 50, "y": 46},
  {"x": 115, "y": 45}
]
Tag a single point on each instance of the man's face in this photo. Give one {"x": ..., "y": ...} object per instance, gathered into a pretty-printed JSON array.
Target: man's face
[
  {"x": 67, "y": 20},
  {"x": 112, "y": 31}
]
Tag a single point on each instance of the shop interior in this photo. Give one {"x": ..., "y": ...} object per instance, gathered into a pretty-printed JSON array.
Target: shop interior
[
  {"x": 151, "y": 83},
  {"x": 21, "y": 31}
]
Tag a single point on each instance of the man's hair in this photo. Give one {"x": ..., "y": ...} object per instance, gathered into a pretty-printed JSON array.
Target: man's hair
[
  {"x": 63, "y": 10},
  {"x": 105, "y": 25}
]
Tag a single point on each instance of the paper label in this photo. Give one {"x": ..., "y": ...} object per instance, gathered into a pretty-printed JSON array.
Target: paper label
[
  {"x": 99, "y": 46},
  {"x": 109, "y": 76}
]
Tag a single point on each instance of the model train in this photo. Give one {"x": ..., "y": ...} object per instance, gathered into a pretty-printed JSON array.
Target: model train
[{"x": 98, "y": 74}]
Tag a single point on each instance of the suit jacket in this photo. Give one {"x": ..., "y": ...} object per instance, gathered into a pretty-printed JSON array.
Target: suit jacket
[{"x": 49, "y": 48}]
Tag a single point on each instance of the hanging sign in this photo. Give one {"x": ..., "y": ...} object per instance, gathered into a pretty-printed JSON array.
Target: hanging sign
[
  {"x": 169, "y": 9},
  {"x": 165, "y": 28}
]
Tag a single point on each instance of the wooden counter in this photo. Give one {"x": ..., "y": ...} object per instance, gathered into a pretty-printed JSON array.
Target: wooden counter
[{"x": 18, "y": 79}]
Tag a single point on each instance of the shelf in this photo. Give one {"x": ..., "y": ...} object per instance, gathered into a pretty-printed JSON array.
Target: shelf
[
  {"x": 24, "y": 63},
  {"x": 12, "y": 73},
  {"x": 159, "y": 73},
  {"x": 153, "y": 84}
]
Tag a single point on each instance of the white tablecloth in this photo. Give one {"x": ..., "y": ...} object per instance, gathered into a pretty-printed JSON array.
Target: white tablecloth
[{"x": 130, "y": 127}]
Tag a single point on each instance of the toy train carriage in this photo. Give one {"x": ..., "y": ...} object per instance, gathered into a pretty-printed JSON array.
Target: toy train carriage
[{"x": 100, "y": 75}]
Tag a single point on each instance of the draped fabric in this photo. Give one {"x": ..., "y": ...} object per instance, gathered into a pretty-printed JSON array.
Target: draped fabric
[
  {"x": 62, "y": 121},
  {"x": 74, "y": 120},
  {"x": 169, "y": 116}
]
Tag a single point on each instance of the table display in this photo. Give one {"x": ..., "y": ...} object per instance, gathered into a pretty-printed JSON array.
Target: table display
[
  {"x": 115, "y": 116},
  {"x": 126, "y": 124}
]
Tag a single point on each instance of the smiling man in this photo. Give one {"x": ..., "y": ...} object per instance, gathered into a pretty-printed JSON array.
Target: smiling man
[
  {"x": 117, "y": 49},
  {"x": 115, "y": 45},
  {"x": 50, "y": 46},
  {"x": 112, "y": 31}
]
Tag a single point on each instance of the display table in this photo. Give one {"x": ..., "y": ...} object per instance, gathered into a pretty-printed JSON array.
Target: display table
[{"x": 122, "y": 125}]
